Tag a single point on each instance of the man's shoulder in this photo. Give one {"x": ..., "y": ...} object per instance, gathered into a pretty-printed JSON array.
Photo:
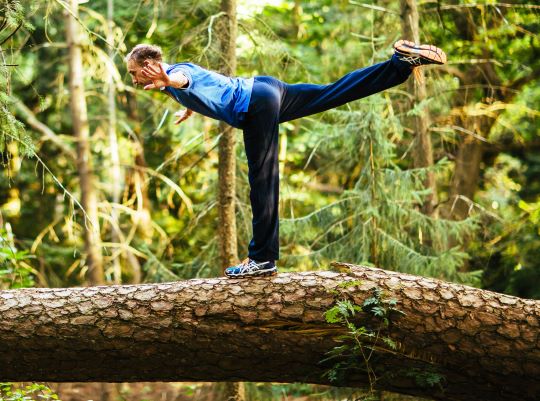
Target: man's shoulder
[{"x": 186, "y": 66}]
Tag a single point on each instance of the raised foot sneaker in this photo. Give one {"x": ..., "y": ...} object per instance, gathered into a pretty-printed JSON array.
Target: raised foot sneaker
[
  {"x": 417, "y": 55},
  {"x": 251, "y": 268}
]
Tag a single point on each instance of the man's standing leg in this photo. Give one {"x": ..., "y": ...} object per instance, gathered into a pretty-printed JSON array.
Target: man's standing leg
[{"x": 261, "y": 140}]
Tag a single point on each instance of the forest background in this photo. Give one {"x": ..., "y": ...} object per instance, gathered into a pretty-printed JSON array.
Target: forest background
[{"x": 356, "y": 185}]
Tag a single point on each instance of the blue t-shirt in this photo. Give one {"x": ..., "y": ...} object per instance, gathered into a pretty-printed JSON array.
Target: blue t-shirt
[{"x": 212, "y": 94}]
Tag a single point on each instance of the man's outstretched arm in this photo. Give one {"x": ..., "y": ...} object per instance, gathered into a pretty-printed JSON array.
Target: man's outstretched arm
[{"x": 160, "y": 79}]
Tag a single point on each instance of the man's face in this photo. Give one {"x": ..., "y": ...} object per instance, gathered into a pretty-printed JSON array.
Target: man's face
[{"x": 135, "y": 70}]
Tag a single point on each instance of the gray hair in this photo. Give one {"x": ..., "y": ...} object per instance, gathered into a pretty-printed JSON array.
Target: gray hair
[{"x": 143, "y": 52}]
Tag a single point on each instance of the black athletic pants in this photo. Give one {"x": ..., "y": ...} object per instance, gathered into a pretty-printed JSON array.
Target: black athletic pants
[{"x": 274, "y": 101}]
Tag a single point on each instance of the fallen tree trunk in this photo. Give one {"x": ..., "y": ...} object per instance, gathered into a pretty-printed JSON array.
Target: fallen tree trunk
[{"x": 484, "y": 345}]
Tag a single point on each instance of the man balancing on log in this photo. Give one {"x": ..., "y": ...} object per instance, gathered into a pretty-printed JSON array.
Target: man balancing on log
[{"x": 257, "y": 105}]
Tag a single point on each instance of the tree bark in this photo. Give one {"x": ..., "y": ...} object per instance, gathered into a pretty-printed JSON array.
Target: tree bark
[
  {"x": 94, "y": 258},
  {"x": 466, "y": 175},
  {"x": 109, "y": 391},
  {"x": 423, "y": 151},
  {"x": 227, "y": 147},
  {"x": 484, "y": 344},
  {"x": 234, "y": 391},
  {"x": 116, "y": 172}
]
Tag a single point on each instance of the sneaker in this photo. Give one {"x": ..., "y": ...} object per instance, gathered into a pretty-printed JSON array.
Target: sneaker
[
  {"x": 417, "y": 55},
  {"x": 250, "y": 268}
]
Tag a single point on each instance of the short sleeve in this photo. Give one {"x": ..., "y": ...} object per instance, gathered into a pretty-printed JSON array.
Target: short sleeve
[{"x": 183, "y": 71}]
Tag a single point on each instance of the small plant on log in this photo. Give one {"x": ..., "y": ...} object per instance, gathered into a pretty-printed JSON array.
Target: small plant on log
[{"x": 360, "y": 342}]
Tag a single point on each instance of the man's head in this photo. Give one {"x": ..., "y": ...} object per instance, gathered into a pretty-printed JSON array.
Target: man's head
[{"x": 140, "y": 56}]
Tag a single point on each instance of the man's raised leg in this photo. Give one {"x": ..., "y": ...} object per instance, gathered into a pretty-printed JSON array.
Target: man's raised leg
[{"x": 301, "y": 100}]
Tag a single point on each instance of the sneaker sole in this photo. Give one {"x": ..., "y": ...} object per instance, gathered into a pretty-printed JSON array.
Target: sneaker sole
[
  {"x": 267, "y": 273},
  {"x": 427, "y": 52}
]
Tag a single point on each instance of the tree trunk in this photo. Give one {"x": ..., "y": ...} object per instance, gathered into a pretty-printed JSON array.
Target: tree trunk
[
  {"x": 227, "y": 145},
  {"x": 485, "y": 345},
  {"x": 79, "y": 116},
  {"x": 228, "y": 250},
  {"x": 136, "y": 185},
  {"x": 423, "y": 151},
  {"x": 136, "y": 190},
  {"x": 116, "y": 173},
  {"x": 297, "y": 19},
  {"x": 109, "y": 391},
  {"x": 465, "y": 178},
  {"x": 474, "y": 118}
]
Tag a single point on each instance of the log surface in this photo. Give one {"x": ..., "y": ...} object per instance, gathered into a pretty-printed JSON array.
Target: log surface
[{"x": 485, "y": 345}]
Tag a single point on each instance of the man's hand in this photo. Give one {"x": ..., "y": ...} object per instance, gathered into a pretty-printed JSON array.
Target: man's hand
[
  {"x": 182, "y": 115},
  {"x": 157, "y": 74}
]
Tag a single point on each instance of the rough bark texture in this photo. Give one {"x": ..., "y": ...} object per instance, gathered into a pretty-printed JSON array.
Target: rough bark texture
[
  {"x": 423, "y": 151},
  {"x": 486, "y": 345},
  {"x": 94, "y": 258},
  {"x": 234, "y": 391},
  {"x": 227, "y": 145}
]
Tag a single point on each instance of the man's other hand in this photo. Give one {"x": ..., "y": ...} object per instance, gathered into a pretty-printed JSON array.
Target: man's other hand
[{"x": 182, "y": 115}]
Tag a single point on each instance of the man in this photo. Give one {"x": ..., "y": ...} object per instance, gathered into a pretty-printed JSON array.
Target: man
[{"x": 257, "y": 105}]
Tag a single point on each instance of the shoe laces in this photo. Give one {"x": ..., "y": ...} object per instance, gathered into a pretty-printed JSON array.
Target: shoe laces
[
  {"x": 412, "y": 59},
  {"x": 247, "y": 265}
]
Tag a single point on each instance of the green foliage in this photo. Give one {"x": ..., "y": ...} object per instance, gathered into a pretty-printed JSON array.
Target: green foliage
[
  {"x": 360, "y": 342},
  {"x": 377, "y": 220},
  {"x": 349, "y": 283},
  {"x": 31, "y": 392},
  {"x": 341, "y": 311},
  {"x": 278, "y": 392},
  {"x": 510, "y": 263},
  {"x": 157, "y": 271},
  {"x": 14, "y": 271},
  {"x": 12, "y": 131},
  {"x": 12, "y": 17},
  {"x": 426, "y": 378},
  {"x": 380, "y": 307}
]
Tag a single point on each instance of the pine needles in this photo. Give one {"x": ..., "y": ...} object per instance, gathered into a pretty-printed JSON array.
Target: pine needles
[{"x": 377, "y": 221}]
